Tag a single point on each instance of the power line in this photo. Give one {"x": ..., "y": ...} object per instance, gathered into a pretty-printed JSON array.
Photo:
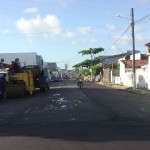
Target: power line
[
  {"x": 121, "y": 35},
  {"x": 118, "y": 48},
  {"x": 140, "y": 21},
  {"x": 142, "y": 18},
  {"x": 144, "y": 21},
  {"x": 114, "y": 43}
]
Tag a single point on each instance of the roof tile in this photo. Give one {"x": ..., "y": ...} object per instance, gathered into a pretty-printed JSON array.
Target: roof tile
[{"x": 138, "y": 63}]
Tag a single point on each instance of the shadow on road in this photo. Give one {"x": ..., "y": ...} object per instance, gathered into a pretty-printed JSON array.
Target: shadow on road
[
  {"x": 114, "y": 129},
  {"x": 81, "y": 131}
]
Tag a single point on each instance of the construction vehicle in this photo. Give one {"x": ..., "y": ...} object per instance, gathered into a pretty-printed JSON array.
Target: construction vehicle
[
  {"x": 26, "y": 81},
  {"x": 40, "y": 76},
  {"x": 19, "y": 84},
  {"x": 3, "y": 71}
]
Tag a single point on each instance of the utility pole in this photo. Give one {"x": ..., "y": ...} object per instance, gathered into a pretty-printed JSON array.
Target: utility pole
[
  {"x": 133, "y": 51},
  {"x": 133, "y": 43},
  {"x": 91, "y": 64}
]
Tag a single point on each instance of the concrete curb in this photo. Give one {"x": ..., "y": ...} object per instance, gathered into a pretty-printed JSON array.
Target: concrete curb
[{"x": 120, "y": 87}]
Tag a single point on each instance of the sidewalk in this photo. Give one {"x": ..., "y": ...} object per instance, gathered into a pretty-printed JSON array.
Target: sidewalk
[{"x": 121, "y": 87}]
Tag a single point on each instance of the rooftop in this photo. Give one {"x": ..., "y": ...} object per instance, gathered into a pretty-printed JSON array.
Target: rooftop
[
  {"x": 148, "y": 44},
  {"x": 138, "y": 63}
]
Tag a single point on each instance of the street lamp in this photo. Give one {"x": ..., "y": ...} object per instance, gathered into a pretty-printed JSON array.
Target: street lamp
[
  {"x": 118, "y": 15},
  {"x": 133, "y": 45}
]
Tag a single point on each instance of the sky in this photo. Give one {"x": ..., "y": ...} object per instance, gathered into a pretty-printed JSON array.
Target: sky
[{"x": 58, "y": 29}]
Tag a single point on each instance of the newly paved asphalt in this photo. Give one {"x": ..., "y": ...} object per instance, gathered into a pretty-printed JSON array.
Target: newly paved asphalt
[{"x": 68, "y": 118}]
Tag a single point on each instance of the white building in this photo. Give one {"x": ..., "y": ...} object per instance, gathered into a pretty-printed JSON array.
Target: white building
[
  {"x": 29, "y": 58},
  {"x": 148, "y": 53},
  {"x": 126, "y": 73}
]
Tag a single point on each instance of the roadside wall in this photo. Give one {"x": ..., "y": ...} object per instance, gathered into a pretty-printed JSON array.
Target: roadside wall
[
  {"x": 142, "y": 78},
  {"x": 126, "y": 77},
  {"x": 148, "y": 72}
]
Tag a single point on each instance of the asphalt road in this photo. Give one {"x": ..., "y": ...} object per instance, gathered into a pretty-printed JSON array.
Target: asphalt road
[{"x": 69, "y": 118}]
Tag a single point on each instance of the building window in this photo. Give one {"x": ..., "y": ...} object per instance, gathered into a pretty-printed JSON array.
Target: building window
[{"x": 2, "y": 59}]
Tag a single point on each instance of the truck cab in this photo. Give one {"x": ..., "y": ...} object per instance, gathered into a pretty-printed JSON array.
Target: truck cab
[{"x": 40, "y": 76}]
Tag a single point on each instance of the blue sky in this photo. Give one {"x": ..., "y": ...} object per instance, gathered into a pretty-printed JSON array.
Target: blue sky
[{"x": 59, "y": 29}]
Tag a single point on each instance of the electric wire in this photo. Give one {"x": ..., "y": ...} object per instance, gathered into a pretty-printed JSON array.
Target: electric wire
[
  {"x": 121, "y": 35},
  {"x": 143, "y": 22},
  {"x": 119, "y": 38},
  {"x": 142, "y": 19}
]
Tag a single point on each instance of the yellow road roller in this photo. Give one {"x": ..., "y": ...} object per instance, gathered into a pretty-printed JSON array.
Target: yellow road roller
[{"x": 19, "y": 84}]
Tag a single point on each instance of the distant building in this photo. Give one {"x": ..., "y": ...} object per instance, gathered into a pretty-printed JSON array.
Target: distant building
[
  {"x": 29, "y": 58},
  {"x": 53, "y": 70},
  {"x": 64, "y": 73},
  {"x": 111, "y": 64},
  {"x": 52, "y": 66},
  {"x": 66, "y": 67},
  {"x": 108, "y": 61}
]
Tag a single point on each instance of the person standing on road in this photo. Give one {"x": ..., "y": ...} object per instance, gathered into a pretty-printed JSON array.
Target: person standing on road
[{"x": 2, "y": 85}]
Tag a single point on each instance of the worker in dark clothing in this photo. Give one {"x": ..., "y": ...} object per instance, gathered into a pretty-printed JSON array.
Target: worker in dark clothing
[
  {"x": 2, "y": 85},
  {"x": 11, "y": 67},
  {"x": 15, "y": 66}
]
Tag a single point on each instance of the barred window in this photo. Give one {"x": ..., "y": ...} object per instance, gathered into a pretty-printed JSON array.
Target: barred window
[{"x": 2, "y": 59}]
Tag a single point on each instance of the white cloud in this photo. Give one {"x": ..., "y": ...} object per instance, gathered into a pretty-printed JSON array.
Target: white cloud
[
  {"x": 113, "y": 47},
  {"x": 68, "y": 34},
  {"x": 111, "y": 27},
  {"x": 31, "y": 10},
  {"x": 85, "y": 30},
  {"x": 28, "y": 26},
  {"x": 92, "y": 40},
  {"x": 74, "y": 43},
  {"x": 50, "y": 24},
  {"x": 125, "y": 40}
]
